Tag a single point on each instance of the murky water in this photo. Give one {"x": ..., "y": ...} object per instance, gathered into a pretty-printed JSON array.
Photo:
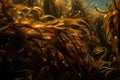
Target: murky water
[{"x": 100, "y": 3}]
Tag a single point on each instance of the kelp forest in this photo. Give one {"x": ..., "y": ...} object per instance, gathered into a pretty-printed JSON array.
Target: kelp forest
[{"x": 59, "y": 40}]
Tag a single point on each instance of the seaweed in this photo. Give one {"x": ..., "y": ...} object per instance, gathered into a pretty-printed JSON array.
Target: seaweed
[{"x": 42, "y": 41}]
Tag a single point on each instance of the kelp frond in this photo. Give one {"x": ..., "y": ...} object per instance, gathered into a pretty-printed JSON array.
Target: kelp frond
[{"x": 45, "y": 40}]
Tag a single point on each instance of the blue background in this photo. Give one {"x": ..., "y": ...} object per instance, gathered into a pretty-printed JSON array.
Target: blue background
[{"x": 100, "y": 3}]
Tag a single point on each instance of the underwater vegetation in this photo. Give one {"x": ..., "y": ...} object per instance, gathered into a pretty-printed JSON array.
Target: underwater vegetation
[{"x": 59, "y": 40}]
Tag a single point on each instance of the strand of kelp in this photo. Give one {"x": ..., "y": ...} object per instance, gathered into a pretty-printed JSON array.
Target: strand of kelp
[{"x": 67, "y": 46}]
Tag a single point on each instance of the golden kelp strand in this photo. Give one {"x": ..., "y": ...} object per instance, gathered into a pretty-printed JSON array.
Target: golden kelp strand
[
  {"x": 57, "y": 47},
  {"x": 112, "y": 30}
]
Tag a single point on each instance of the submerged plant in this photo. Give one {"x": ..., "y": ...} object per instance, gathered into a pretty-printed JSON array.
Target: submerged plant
[{"x": 42, "y": 42}]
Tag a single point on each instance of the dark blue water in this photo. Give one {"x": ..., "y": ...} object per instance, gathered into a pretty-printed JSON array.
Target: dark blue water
[{"x": 100, "y": 3}]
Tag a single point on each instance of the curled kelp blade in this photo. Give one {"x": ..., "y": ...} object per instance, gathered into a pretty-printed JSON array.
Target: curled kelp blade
[
  {"x": 56, "y": 47},
  {"x": 112, "y": 26},
  {"x": 99, "y": 52},
  {"x": 21, "y": 12}
]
